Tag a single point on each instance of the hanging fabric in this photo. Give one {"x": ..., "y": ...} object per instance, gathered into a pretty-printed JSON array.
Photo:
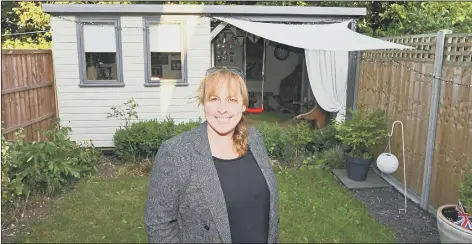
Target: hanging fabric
[
  {"x": 333, "y": 37},
  {"x": 327, "y": 74}
]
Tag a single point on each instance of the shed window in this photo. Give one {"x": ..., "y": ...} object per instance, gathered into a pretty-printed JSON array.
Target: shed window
[
  {"x": 164, "y": 52},
  {"x": 100, "y": 52}
]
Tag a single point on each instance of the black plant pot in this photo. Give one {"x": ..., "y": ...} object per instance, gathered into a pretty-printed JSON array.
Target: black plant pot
[{"x": 357, "y": 168}]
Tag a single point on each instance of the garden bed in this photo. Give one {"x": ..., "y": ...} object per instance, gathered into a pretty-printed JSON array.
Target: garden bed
[{"x": 415, "y": 226}]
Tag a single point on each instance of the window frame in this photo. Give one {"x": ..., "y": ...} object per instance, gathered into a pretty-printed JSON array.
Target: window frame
[
  {"x": 149, "y": 82},
  {"x": 84, "y": 82}
]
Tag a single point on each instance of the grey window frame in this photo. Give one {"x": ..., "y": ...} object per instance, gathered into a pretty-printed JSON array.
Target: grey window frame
[
  {"x": 149, "y": 82},
  {"x": 115, "y": 20}
]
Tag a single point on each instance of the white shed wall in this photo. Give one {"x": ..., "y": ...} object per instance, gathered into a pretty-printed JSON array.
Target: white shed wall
[{"x": 85, "y": 109}]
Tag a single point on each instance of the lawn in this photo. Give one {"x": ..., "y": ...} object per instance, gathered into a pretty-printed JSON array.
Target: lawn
[
  {"x": 270, "y": 117},
  {"x": 313, "y": 208}
]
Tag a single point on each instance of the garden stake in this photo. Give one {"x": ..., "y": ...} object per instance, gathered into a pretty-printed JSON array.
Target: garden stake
[{"x": 404, "y": 168}]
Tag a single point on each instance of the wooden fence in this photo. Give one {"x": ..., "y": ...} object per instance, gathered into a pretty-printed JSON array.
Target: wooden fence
[
  {"x": 400, "y": 82},
  {"x": 28, "y": 95}
]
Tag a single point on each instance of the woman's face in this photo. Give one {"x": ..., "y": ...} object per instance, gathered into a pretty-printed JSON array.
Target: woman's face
[{"x": 224, "y": 110}]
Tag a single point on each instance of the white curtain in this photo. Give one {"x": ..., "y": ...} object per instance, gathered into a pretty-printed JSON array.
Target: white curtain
[{"x": 327, "y": 73}]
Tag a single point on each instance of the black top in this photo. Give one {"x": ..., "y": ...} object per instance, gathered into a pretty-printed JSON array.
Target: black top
[{"x": 247, "y": 198}]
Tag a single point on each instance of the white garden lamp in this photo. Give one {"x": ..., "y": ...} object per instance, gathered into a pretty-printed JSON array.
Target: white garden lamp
[{"x": 388, "y": 163}]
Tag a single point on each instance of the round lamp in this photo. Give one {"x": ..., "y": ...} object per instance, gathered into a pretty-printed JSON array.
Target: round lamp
[{"x": 387, "y": 163}]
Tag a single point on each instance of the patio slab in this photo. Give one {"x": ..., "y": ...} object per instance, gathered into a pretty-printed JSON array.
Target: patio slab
[{"x": 373, "y": 180}]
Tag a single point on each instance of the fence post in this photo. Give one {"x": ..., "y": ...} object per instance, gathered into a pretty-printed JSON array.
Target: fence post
[{"x": 433, "y": 116}]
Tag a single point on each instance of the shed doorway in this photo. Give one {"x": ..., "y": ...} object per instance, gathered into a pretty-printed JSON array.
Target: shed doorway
[{"x": 276, "y": 75}]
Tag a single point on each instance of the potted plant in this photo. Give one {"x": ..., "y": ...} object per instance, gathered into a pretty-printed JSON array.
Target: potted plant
[
  {"x": 359, "y": 136},
  {"x": 454, "y": 221}
]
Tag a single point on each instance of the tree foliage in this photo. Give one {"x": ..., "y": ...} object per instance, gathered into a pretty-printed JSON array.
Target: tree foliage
[
  {"x": 20, "y": 17},
  {"x": 382, "y": 19}
]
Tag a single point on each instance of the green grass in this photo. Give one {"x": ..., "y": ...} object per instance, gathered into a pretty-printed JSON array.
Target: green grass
[
  {"x": 269, "y": 117},
  {"x": 313, "y": 208}
]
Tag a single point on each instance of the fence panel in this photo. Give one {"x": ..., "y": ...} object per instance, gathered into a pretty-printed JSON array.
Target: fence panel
[
  {"x": 400, "y": 83},
  {"x": 28, "y": 95},
  {"x": 454, "y": 129}
]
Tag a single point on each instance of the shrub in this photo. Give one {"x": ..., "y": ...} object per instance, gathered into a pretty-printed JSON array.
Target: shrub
[
  {"x": 298, "y": 138},
  {"x": 287, "y": 145},
  {"x": 332, "y": 158},
  {"x": 324, "y": 139},
  {"x": 45, "y": 166},
  {"x": 10, "y": 187},
  {"x": 275, "y": 141},
  {"x": 361, "y": 134},
  {"x": 465, "y": 189},
  {"x": 142, "y": 139}
]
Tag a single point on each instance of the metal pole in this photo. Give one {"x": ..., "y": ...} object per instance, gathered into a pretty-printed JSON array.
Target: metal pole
[
  {"x": 244, "y": 63},
  {"x": 212, "y": 53},
  {"x": 433, "y": 116},
  {"x": 352, "y": 77},
  {"x": 263, "y": 70}
]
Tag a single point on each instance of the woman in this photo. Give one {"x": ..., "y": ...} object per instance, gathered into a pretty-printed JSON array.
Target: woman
[{"x": 214, "y": 183}]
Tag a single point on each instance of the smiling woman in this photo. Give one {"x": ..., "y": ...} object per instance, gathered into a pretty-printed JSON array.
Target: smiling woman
[
  {"x": 224, "y": 97},
  {"x": 214, "y": 183}
]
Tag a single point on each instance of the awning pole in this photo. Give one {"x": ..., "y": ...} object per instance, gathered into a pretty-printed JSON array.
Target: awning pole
[
  {"x": 263, "y": 70},
  {"x": 244, "y": 64}
]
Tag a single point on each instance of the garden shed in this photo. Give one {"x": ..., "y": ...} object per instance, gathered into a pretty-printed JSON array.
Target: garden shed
[{"x": 105, "y": 55}]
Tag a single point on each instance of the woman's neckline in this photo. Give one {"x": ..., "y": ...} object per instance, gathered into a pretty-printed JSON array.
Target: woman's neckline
[{"x": 231, "y": 159}]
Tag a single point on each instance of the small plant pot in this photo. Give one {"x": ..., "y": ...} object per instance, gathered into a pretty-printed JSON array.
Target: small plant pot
[
  {"x": 448, "y": 231},
  {"x": 357, "y": 168}
]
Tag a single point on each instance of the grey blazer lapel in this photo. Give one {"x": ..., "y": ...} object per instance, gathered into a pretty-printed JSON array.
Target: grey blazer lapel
[{"x": 210, "y": 184}]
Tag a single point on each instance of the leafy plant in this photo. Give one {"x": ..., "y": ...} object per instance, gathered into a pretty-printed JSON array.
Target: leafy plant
[
  {"x": 298, "y": 137},
  {"x": 125, "y": 114},
  {"x": 361, "y": 134},
  {"x": 274, "y": 140},
  {"x": 332, "y": 158},
  {"x": 324, "y": 139},
  {"x": 11, "y": 187},
  {"x": 143, "y": 139},
  {"x": 288, "y": 146},
  {"x": 44, "y": 167},
  {"x": 465, "y": 189}
]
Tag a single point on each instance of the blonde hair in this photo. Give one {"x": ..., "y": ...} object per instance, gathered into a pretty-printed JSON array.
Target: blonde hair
[{"x": 234, "y": 83}]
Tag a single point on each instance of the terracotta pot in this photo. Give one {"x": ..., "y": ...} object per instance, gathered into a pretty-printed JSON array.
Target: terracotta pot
[{"x": 448, "y": 231}]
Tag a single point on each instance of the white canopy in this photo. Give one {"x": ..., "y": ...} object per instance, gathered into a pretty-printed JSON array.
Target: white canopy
[
  {"x": 333, "y": 37},
  {"x": 327, "y": 49}
]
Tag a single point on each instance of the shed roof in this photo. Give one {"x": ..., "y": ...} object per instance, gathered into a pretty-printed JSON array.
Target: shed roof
[{"x": 203, "y": 9}]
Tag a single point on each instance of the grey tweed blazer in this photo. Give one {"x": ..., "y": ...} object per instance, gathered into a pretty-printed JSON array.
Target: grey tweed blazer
[{"x": 185, "y": 202}]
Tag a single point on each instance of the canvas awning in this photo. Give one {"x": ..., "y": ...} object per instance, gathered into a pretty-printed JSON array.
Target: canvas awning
[
  {"x": 332, "y": 37},
  {"x": 327, "y": 49}
]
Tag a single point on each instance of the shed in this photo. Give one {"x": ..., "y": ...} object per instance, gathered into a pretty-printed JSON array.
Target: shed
[{"x": 157, "y": 55}]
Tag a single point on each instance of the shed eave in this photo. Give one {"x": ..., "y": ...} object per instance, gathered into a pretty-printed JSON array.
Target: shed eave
[{"x": 68, "y": 9}]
